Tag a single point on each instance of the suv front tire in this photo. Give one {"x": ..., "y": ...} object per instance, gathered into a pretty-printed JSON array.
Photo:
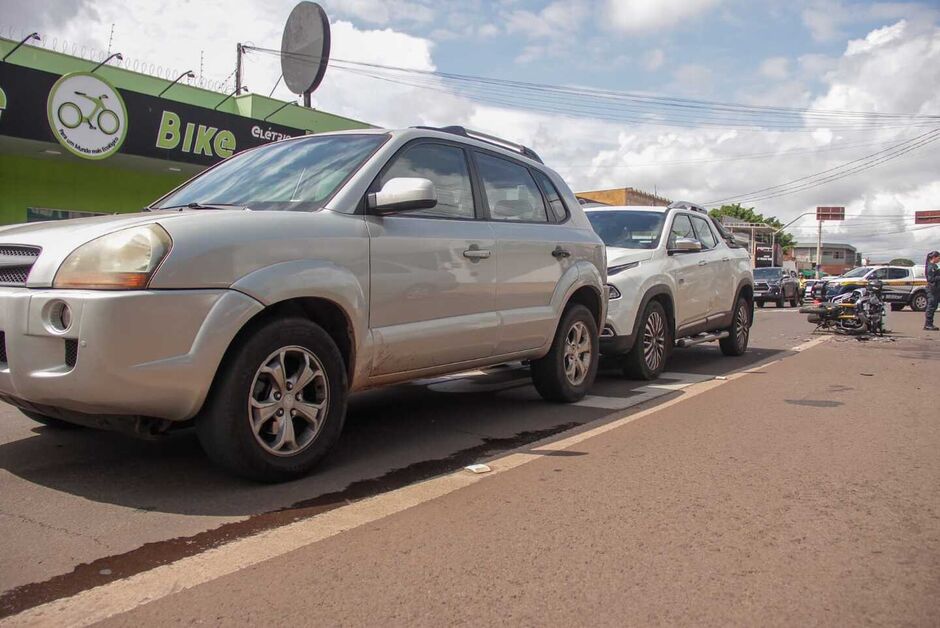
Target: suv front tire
[
  {"x": 278, "y": 404},
  {"x": 647, "y": 358}
]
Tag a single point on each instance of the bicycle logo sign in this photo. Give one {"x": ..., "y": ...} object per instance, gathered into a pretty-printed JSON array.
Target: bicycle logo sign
[{"x": 87, "y": 115}]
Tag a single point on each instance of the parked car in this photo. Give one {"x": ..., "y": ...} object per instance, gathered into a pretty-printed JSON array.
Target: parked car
[
  {"x": 903, "y": 285},
  {"x": 675, "y": 278},
  {"x": 779, "y": 285},
  {"x": 254, "y": 298}
]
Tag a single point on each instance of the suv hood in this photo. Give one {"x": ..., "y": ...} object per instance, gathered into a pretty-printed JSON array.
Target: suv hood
[{"x": 75, "y": 232}]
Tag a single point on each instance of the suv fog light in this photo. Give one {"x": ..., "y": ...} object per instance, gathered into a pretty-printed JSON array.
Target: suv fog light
[
  {"x": 60, "y": 316},
  {"x": 612, "y": 292}
]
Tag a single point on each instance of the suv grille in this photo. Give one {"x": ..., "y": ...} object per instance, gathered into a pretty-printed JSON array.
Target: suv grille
[
  {"x": 15, "y": 264},
  {"x": 761, "y": 285},
  {"x": 3, "y": 348}
]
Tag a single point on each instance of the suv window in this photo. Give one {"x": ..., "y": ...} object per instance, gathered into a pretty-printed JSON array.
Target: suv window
[
  {"x": 898, "y": 273},
  {"x": 446, "y": 167},
  {"x": 511, "y": 193},
  {"x": 704, "y": 233},
  {"x": 881, "y": 273},
  {"x": 554, "y": 198},
  {"x": 681, "y": 228}
]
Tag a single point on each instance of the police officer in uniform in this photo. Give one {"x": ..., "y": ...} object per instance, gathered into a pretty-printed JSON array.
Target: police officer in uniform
[{"x": 932, "y": 271}]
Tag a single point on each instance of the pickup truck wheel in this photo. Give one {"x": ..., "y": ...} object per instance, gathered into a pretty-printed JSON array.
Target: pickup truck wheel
[
  {"x": 48, "y": 421},
  {"x": 278, "y": 404},
  {"x": 759, "y": 303},
  {"x": 566, "y": 373},
  {"x": 781, "y": 302},
  {"x": 647, "y": 358},
  {"x": 919, "y": 302},
  {"x": 795, "y": 301},
  {"x": 740, "y": 331}
]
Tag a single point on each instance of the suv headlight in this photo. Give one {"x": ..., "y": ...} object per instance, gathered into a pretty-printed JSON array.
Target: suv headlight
[{"x": 123, "y": 260}]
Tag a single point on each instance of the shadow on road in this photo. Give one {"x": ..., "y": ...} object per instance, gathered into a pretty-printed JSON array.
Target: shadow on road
[{"x": 434, "y": 425}]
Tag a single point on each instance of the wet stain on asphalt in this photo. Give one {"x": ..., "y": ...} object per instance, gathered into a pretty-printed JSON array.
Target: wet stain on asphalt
[
  {"x": 152, "y": 555},
  {"x": 814, "y": 403}
]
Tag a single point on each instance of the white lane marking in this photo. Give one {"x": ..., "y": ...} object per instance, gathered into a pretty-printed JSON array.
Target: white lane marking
[
  {"x": 121, "y": 596},
  {"x": 618, "y": 403}
]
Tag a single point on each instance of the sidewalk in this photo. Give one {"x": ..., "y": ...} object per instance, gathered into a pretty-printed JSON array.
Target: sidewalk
[{"x": 807, "y": 492}]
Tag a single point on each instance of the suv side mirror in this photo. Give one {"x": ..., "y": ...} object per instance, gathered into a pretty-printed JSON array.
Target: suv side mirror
[
  {"x": 685, "y": 245},
  {"x": 403, "y": 194}
]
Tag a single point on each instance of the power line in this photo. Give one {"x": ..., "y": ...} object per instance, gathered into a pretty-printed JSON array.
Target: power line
[
  {"x": 813, "y": 180},
  {"x": 624, "y": 106}
]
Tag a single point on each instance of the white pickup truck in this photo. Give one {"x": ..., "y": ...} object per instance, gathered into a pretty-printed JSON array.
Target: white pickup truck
[{"x": 675, "y": 278}]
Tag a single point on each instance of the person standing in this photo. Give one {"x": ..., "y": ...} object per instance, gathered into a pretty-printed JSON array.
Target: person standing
[{"x": 932, "y": 271}]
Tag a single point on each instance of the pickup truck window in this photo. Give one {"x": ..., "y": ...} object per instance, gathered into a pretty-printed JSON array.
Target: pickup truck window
[
  {"x": 681, "y": 228},
  {"x": 627, "y": 229},
  {"x": 704, "y": 233},
  {"x": 296, "y": 175}
]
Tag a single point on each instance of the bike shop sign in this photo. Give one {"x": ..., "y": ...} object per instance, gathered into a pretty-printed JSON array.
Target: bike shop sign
[
  {"x": 87, "y": 115},
  {"x": 93, "y": 119}
]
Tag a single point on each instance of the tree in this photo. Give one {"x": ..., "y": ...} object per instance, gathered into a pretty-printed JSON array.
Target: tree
[
  {"x": 747, "y": 214},
  {"x": 901, "y": 261}
]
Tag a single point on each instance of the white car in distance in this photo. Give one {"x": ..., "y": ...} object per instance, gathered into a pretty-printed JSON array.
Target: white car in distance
[{"x": 675, "y": 278}]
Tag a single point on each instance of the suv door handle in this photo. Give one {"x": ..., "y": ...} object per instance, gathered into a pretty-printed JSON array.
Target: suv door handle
[
  {"x": 702, "y": 262},
  {"x": 560, "y": 253},
  {"x": 476, "y": 253}
]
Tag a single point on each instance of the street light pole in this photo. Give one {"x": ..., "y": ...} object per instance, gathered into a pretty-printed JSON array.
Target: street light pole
[
  {"x": 17, "y": 46},
  {"x": 186, "y": 74},
  {"x": 773, "y": 236},
  {"x": 116, "y": 55}
]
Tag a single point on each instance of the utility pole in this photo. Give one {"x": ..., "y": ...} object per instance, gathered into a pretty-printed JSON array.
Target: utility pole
[
  {"x": 819, "y": 249},
  {"x": 238, "y": 68}
]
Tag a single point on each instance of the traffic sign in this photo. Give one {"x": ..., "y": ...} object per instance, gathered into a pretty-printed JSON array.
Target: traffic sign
[
  {"x": 830, "y": 213},
  {"x": 927, "y": 217}
]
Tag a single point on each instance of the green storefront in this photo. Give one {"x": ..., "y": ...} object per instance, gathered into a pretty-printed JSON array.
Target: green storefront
[{"x": 74, "y": 141}]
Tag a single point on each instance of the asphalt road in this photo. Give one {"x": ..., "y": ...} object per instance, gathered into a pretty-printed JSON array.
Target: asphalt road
[{"x": 785, "y": 494}]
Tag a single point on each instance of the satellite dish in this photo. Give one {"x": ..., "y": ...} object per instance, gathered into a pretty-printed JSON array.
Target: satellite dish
[{"x": 305, "y": 48}]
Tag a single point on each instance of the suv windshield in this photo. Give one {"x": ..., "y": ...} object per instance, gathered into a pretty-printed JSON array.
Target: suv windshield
[
  {"x": 861, "y": 271},
  {"x": 628, "y": 229},
  {"x": 767, "y": 273},
  {"x": 296, "y": 175}
]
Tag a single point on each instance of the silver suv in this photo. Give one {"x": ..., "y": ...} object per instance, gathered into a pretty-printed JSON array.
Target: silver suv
[{"x": 254, "y": 298}]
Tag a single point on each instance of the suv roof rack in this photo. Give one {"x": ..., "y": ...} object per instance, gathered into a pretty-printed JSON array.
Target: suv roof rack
[
  {"x": 687, "y": 205},
  {"x": 483, "y": 137}
]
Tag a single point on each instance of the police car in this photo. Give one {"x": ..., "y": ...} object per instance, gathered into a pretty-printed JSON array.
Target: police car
[{"x": 903, "y": 286}]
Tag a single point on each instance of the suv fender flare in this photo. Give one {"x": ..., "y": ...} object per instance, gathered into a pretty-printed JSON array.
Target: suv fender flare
[
  {"x": 314, "y": 279},
  {"x": 579, "y": 275}
]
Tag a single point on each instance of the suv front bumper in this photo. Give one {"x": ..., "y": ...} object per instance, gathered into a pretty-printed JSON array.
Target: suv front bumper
[{"x": 137, "y": 353}]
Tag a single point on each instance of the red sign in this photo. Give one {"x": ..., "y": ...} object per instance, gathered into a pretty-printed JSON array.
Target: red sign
[
  {"x": 927, "y": 217},
  {"x": 830, "y": 213}
]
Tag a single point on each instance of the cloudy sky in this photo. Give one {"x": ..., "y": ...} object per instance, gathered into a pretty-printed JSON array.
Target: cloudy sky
[{"x": 834, "y": 55}]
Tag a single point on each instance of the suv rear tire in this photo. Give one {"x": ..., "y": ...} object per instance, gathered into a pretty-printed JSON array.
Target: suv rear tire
[
  {"x": 567, "y": 371},
  {"x": 647, "y": 358},
  {"x": 278, "y": 404},
  {"x": 740, "y": 331}
]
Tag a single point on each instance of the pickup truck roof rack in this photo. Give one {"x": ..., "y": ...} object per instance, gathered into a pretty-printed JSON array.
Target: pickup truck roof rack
[
  {"x": 489, "y": 139},
  {"x": 687, "y": 205}
]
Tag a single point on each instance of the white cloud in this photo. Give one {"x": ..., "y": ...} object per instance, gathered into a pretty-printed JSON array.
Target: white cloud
[
  {"x": 654, "y": 59},
  {"x": 641, "y": 16},
  {"x": 558, "y": 17},
  {"x": 777, "y": 68}
]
